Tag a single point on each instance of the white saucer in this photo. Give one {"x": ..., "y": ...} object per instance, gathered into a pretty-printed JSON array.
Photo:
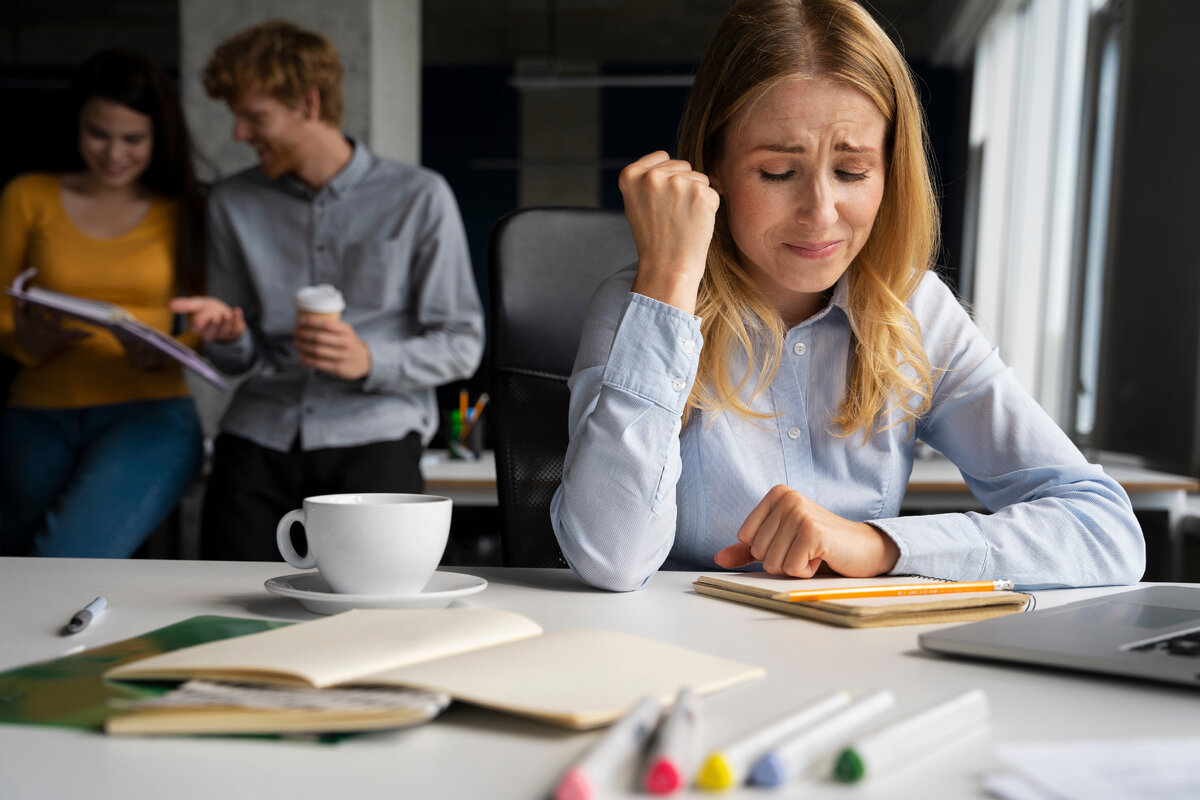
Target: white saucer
[{"x": 314, "y": 593}]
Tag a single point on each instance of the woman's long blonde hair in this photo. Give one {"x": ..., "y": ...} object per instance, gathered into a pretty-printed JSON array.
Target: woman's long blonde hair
[{"x": 756, "y": 45}]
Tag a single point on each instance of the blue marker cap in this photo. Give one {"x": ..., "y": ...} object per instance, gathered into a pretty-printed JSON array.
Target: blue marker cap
[{"x": 769, "y": 771}]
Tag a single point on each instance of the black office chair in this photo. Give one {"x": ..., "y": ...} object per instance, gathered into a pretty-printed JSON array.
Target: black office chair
[{"x": 543, "y": 266}]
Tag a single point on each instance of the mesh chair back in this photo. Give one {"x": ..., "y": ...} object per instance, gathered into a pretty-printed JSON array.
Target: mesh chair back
[{"x": 544, "y": 264}]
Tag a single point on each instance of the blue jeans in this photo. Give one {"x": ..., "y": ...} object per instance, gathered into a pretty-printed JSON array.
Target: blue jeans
[{"x": 93, "y": 482}]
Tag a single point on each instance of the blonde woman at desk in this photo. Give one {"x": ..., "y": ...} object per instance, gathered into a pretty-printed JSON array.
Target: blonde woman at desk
[{"x": 753, "y": 390}]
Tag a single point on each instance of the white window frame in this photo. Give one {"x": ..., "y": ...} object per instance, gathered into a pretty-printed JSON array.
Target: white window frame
[{"x": 1030, "y": 62}]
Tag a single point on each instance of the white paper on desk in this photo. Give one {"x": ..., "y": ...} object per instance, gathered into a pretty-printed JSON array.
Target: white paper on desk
[
  {"x": 1011, "y": 786},
  {"x": 1117, "y": 769}
]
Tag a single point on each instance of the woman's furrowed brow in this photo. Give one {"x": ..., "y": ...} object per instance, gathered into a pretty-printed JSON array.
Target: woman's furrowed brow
[{"x": 799, "y": 149}]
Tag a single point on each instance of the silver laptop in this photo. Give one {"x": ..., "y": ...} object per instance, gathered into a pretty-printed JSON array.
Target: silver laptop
[{"x": 1151, "y": 633}]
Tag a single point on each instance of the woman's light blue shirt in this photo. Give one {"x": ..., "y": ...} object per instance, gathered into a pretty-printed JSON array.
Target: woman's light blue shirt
[{"x": 639, "y": 494}]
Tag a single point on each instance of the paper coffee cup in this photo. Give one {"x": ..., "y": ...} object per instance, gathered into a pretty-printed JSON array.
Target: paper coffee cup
[{"x": 320, "y": 302}]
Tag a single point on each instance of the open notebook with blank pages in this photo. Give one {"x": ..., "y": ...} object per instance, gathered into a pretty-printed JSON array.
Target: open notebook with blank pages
[{"x": 580, "y": 679}]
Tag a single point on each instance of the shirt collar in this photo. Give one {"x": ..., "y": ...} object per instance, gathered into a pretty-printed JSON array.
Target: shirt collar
[
  {"x": 340, "y": 184},
  {"x": 841, "y": 292},
  {"x": 352, "y": 173},
  {"x": 840, "y": 299}
]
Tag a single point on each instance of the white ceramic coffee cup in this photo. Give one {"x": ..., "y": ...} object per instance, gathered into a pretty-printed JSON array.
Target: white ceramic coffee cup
[{"x": 381, "y": 544}]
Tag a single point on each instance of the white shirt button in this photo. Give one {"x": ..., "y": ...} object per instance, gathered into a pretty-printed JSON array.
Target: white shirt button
[
  {"x": 678, "y": 384},
  {"x": 800, "y": 348},
  {"x": 689, "y": 346},
  {"x": 793, "y": 432}
]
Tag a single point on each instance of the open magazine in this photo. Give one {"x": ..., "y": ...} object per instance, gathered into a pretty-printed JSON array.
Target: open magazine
[{"x": 113, "y": 318}]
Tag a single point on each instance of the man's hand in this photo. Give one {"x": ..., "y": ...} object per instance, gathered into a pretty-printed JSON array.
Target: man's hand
[
  {"x": 792, "y": 535},
  {"x": 212, "y": 319},
  {"x": 332, "y": 346}
]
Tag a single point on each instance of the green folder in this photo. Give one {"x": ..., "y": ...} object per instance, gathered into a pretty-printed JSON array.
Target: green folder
[{"x": 71, "y": 691}]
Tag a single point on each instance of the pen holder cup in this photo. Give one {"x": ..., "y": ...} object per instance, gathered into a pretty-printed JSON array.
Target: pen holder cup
[{"x": 466, "y": 448}]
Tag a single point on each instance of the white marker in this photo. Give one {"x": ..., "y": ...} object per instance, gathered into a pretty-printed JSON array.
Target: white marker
[
  {"x": 910, "y": 738},
  {"x": 727, "y": 767},
  {"x": 625, "y": 738},
  {"x": 671, "y": 755},
  {"x": 794, "y": 756}
]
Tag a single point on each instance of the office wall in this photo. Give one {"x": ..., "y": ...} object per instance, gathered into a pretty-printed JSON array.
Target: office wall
[
  {"x": 378, "y": 42},
  {"x": 1149, "y": 389},
  {"x": 41, "y": 41}
]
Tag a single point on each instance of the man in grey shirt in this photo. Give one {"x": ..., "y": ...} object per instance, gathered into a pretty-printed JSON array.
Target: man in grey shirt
[{"x": 336, "y": 405}]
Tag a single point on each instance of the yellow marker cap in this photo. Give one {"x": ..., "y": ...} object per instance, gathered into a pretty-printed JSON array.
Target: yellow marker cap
[{"x": 716, "y": 775}]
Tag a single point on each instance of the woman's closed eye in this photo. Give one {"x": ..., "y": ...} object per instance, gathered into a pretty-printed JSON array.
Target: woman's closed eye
[
  {"x": 845, "y": 176},
  {"x": 774, "y": 177}
]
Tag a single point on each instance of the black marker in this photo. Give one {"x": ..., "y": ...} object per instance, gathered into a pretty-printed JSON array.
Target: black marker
[{"x": 84, "y": 616}]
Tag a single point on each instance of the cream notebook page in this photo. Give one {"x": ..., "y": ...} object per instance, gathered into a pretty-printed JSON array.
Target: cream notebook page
[
  {"x": 339, "y": 648},
  {"x": 575, "y": 677}
]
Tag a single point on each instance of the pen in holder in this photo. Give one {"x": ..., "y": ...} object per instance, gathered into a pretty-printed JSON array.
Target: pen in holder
[{"x": 464, "y": 436}]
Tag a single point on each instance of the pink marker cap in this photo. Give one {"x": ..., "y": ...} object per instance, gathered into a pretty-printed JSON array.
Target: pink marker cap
[
  {"x": 573, "y": 786},
  {"x": 663, "y": 777}
]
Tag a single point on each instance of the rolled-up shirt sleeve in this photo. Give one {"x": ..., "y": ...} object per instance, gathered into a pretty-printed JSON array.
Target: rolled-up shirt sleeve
[{"x": 614, "y": 514}]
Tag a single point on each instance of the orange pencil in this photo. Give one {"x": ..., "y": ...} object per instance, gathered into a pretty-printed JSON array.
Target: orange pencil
[{"x": 896, "y": 590}]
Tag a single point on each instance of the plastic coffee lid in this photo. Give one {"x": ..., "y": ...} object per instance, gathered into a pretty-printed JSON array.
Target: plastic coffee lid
[{"x": 320, "y": 299}]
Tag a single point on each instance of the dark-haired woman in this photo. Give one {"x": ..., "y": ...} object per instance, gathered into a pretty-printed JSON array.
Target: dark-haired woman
[{"x": 100, "y": 438}]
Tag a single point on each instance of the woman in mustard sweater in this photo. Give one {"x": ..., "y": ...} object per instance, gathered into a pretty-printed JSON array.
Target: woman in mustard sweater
[{"x": 99, "y": 438}]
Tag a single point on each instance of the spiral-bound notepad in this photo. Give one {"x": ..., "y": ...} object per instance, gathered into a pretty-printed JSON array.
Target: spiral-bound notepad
[{"x": 758, "y": 588}]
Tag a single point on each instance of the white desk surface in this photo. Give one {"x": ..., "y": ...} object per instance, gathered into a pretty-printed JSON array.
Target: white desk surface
[{"x": 474, "y": 753}]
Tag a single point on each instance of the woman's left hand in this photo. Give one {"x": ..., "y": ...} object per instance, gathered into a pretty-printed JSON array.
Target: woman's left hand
[{"x": 792, "y": 535}]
